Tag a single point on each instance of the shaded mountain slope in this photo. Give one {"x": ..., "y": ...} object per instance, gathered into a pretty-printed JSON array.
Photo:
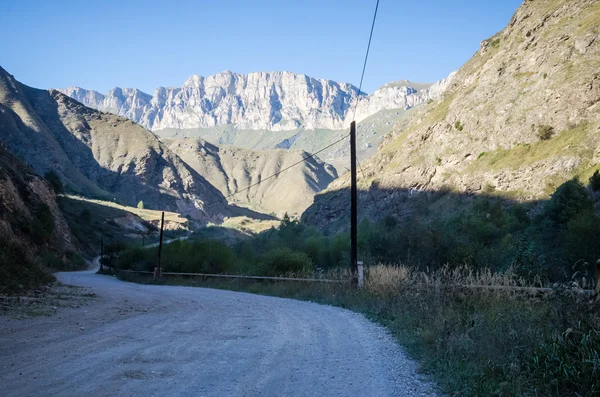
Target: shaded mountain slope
[
  {"x": 100, "y": 154},
  {"x": 232, "y": 169},
  {"x": 33, "y": 232},
  {"x": 520, "y": 118}
]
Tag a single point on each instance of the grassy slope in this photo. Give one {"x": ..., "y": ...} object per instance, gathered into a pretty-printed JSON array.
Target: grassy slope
[{"x": 153, "y": 216}]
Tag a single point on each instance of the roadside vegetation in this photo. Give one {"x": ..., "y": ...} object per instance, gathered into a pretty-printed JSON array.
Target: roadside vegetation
[
  {"x": 29, "y": 249},
  {"x": 474, "y": 341}
]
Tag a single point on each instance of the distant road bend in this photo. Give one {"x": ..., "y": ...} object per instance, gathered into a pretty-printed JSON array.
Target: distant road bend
[{"x": 183, "y": 341}]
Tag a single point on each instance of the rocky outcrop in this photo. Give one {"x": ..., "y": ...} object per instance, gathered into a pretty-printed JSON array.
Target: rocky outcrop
[
  {"x": 518, "y": 119},
  {"x": 265, "y": 101},
  {"x": 233, "y": 170}
]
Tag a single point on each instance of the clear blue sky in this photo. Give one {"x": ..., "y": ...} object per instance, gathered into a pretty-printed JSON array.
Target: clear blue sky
[{"x": 146, "y": 44}]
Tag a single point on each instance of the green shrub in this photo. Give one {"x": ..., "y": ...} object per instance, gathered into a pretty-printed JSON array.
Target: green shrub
[
  {"x": 85, "y": 216},
  {"x": 595, "y": 181},
  {"x": 137, "y": 258},
  {"x": 203, "y": 256},
  {"x": 545, "y": 132},
  {"x": 206, "y": 256},
  {"x": 19, "y": 269},
  {"x": 140, "y": 205},
  {"x": 41, "y": 225},
  {"x": 282, "y": 261},
  {"x": 112, "y": 251},
  {"x": 459, "y": 126},
  {"x": 570, "y": 200},
  {"x": 54, "y": 180}
]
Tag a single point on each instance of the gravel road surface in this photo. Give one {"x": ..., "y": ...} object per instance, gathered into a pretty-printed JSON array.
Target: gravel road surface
[{"x": 142, "y": 340}]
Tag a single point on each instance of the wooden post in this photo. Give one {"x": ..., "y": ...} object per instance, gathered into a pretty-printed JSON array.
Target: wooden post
[
  {"x": 361, "y": 274},
  {"x": 353, "y": 205},
  {"x": 101, "y": 254},
  {"x": 158, "y": 270}
]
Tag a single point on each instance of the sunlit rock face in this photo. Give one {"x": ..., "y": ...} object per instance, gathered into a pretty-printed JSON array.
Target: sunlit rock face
[{"x": 265, "y": 101}]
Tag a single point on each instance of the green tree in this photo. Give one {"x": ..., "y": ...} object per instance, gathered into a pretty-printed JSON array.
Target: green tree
[
  {"x": 42, "y": 224},
  {"x": 570, "y": 200},
  {"x": 86, "y": 216},
  {"x": 281, "y": 261},
  {"x": 54, "y": 180},
  {"x": 140, "y": 205},
  {"x": 595, "y": 181}
]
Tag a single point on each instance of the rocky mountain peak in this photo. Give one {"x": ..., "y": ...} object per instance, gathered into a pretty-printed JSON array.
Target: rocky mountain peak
[{"x": 260, "y": 100}]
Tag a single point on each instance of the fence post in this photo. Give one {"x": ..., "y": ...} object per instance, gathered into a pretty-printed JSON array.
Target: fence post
[{"x": 361, "y": 274}]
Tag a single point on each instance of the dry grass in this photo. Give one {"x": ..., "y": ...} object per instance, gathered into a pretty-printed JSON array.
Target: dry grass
[
  {"x": 250, "y": 226},
  {"x": 146, "y": 214}
]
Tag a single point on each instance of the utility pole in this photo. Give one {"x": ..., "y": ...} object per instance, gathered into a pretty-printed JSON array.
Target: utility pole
[
  {"x": 158, "y": 270},
  {"x": 353, "y": 205}
]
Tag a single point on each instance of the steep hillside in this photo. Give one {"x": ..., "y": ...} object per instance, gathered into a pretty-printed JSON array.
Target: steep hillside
[
  {"x": 100, "y": 154},
  {"x": 34, "y": 235},
  {"x": 232, "y": 169},
  {"x": 520, "y": 118},
  {"x": 277, "y": 101}
]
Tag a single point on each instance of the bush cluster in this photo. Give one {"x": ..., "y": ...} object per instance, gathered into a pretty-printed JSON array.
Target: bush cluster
[
  {"x": 180, "y": 256},
  {"x": 545, "y": 132},
  {"x": 553, "y": 240},
  {"x": 55, "y": 182},
  {"x": 19, "y": 269}
]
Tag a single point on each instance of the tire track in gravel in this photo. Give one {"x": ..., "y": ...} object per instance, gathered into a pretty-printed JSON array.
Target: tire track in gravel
[{"x": 161, "y": 340}]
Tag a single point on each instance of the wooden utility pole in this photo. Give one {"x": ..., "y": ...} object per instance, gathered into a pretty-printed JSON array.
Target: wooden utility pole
[
  {"x": 353, "y": 205},
  {"x": 158, "y": 270}
]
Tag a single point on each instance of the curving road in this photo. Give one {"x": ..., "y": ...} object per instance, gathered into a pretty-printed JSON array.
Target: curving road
[{"x": 166, "y": 341}]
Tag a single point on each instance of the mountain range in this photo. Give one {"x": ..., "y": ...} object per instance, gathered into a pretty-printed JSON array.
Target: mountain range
[
  {"x": 516, "y": 121},
  {"x": 106, "y": 156},
  {"x": 277, "y": 101}
]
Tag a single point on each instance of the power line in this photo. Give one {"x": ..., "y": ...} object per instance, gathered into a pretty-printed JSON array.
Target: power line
[
  {"x": 326, "y": 147},
  {"x": 362, "y": 76},
  {"x": 280, "y": 171}
]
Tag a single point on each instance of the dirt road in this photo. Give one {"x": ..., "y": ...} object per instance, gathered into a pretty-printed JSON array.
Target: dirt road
[{"x": 180, "y": 341}]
